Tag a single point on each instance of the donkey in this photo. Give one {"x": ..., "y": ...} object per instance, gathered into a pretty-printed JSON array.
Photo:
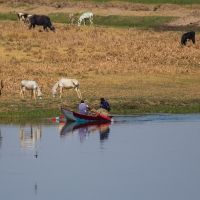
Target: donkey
[
  {"x": 67, "y": 84},
  {"x": 30, "y": 85},
  {"x": 84, "y": 17},
  {"x": 71, "y": 19}
]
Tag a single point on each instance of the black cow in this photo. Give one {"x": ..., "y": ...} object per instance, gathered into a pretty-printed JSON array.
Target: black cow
[
  {"x": 188, "y": 36},
  {"x": 41, "y": 20}
]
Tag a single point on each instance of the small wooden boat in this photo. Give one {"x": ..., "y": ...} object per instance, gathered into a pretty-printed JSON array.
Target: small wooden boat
[{"x": 74, "y": 116}]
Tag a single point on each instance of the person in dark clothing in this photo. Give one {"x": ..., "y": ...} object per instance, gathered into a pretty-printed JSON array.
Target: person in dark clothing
[{"x": 104, "y": 104}]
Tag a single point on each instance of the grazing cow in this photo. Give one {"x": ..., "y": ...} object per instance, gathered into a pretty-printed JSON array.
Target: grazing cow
[
  {"x": 27, "y": 20},
  {"x": 41, "y": 20},
  {"x": 84, "y": 17},
  {"x": 188, "y": 36},
  {"x": 23, "y": 17},
  {"x": 71, "y": 19},
  {"x": 1, "y": 86}
]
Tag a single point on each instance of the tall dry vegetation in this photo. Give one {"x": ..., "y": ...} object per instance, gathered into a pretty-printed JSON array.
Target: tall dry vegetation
[{"x": 104, "y": 60}]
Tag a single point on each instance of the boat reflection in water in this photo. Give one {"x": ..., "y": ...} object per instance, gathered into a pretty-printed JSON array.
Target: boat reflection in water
[
  {"x": 84, "y": 129},
  {"x": 1, "y": 138},
  {"x": 29, "y": 135}
]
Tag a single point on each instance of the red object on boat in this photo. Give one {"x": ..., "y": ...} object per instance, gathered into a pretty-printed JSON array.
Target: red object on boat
[{"x": 74, "y": 116}]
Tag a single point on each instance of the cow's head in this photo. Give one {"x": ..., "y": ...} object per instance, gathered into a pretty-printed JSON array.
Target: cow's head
[{"x": 52, "y": 28}]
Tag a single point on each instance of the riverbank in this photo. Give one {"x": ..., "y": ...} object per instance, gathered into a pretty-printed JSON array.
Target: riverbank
[{"x": 135, "y": 70}]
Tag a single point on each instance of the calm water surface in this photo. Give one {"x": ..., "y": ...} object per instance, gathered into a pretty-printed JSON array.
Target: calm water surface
[{"x": 152, "y": 157}]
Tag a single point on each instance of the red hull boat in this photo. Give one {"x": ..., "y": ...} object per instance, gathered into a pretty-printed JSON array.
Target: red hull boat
[{"x": 74, "y": 116}]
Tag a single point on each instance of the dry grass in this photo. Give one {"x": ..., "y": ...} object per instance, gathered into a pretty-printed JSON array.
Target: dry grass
[{"x": 114, "y": 63}]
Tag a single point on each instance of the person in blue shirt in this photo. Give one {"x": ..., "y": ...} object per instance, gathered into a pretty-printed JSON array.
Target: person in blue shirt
[
  {"x": 104, "y": 104},
  {"x": 83, "y": 108}
]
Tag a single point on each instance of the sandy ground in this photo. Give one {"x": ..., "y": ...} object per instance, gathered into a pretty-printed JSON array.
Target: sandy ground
[{"x": 187, "y": 15}]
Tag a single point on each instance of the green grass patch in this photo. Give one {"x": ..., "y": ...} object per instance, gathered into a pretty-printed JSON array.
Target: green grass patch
[
  {"x": 123, "y": 106},
  {"x": 111, "y": 21},
  {"x": 131, "y": 21},
  {"x": 115, "y": 21},
  {"x": 62, "y": 17},
  {"x": 30, "y": 114},
  {"x": 8, "y": 16}
]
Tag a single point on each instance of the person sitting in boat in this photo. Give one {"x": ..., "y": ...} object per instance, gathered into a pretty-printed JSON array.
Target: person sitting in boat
[
  {"x": 83, "y": 108},
  {"x": 104, "y": 104}
]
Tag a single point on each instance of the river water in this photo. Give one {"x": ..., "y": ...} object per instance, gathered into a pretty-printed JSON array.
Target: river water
[{"x": 149, "y": 157}]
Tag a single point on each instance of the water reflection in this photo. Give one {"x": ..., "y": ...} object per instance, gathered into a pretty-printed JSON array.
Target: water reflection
[
  {"x": 104, "y": 132},
  {"x": 84, "y": 129},
  {"x": 1, "y": 138},
  {"x": 29, "y": 135},
  {"x": 35, "y": 188},
  {"x": 144, "y": 158}
]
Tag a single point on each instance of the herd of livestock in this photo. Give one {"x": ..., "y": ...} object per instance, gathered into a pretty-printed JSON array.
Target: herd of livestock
[
  {"x": 44, "y": 21},
  {"x": 63, "y": 83}
]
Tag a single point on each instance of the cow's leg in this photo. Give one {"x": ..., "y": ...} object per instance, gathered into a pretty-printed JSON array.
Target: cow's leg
[
  {"x": 25, "y": 22},
  {"x": 84, "y": 22},
  {"x": 91, "y": 22},
  {"x": 193, "y": 40},
  {"x": 32, "y": 26},
  {"x": 34, "y": 93},
  {"x": 79, "y": 93},
  {"x": 45, "y": 28},
  {"x": 184, "y": 41},
  {"x": 61, "y": 90},
  {"x": 22, "y": 92}
]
